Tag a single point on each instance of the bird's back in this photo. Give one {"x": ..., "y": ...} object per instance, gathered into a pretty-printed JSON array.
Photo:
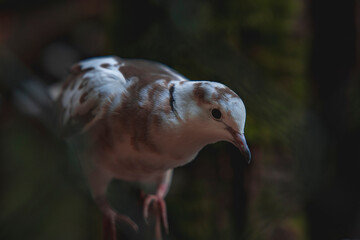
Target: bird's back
[
  {"x": 118, "y": 105},
  {"x": 94, "y": 85}
]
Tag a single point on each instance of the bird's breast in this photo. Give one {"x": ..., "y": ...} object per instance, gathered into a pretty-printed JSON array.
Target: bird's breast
[{"x": 140, "y": 163}]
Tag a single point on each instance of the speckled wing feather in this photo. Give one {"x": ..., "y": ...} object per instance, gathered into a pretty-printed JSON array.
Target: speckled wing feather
[{"x": 94, "y": 85}]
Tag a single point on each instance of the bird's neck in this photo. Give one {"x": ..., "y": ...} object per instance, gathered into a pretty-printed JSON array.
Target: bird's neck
[{"x": 185, "y": 142}]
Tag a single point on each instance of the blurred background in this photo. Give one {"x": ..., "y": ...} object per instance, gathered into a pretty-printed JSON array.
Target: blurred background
[{"x": 295, "y": 63}]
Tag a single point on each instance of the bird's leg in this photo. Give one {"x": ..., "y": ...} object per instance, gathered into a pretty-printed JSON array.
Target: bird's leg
[
  {"x": 158, "y": 199},
  {"x": 99, "y": 181},
  {"x": 110, "y": 217}
]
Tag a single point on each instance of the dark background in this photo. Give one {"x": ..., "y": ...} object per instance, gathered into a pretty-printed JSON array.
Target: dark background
[{"x": 294, "y": 63}]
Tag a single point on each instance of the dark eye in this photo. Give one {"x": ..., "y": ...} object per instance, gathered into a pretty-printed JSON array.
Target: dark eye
[{"x": 216, "y": 113}]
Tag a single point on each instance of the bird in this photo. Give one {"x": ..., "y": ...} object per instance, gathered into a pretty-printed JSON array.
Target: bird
[{"x": 137, "y": 120}]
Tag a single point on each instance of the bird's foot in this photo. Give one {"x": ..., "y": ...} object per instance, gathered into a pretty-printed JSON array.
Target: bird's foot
[
  {"x": 110, "y": 217},
  {"x": 160, "y": 208},
  {"x": 109, "y": 228},
  {"x": 116, "y": 217}
]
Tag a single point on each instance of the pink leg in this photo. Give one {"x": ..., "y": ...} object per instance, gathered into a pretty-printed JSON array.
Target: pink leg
[
  {"x": 109, "y": 232},
  {"x": 99, "y": 180},
  {"x": 160, "y": 206},
  {"x": 110, "y": 217}
]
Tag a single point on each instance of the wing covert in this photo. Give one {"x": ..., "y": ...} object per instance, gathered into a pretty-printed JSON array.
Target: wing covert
[
  {"x": 87, "y": 93},
  {"x": 93, "y": 85}
]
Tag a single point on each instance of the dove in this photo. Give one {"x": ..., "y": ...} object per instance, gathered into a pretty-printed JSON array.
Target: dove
[{"x": 136, "y": 120}]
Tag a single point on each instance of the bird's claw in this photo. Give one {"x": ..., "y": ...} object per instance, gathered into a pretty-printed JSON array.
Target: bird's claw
[
  {"x": 124, "y": 218},
  {"x": 160, "y": 208},
  {"x": 111, "y": 216},
  {"x": 114, "y": 217}
]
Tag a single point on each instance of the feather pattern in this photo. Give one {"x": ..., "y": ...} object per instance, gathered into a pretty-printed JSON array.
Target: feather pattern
[
  {"x": 95, "y": 84},
  {"x": 140, "y": 119}
]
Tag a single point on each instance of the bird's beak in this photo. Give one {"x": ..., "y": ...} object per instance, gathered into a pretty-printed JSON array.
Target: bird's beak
[{"x": 240, "y": 143}]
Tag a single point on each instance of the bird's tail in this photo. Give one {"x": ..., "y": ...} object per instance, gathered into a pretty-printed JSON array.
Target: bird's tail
[
  {"x": 32, "y": 98},
  {"x": 27, "y": 93}
]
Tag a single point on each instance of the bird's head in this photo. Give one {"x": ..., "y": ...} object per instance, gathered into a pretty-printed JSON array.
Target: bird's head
[{"x": 215, "y": 110}]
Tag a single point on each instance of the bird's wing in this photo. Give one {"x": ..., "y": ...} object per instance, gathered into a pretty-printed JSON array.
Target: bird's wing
[
  {"x": 148, "y": 71},
  {"x": 88, "y": 91},
  {"x": 93, "y": 86}
]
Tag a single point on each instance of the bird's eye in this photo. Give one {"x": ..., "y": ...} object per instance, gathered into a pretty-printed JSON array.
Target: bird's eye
[{"x": 216, "y": 113}]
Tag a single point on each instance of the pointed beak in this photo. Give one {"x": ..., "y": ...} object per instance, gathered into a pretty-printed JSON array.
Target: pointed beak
[{"x": 240, "y": 143}]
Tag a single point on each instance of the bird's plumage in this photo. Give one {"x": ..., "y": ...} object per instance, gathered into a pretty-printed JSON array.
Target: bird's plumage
[{"x": 140, "y": 119}]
